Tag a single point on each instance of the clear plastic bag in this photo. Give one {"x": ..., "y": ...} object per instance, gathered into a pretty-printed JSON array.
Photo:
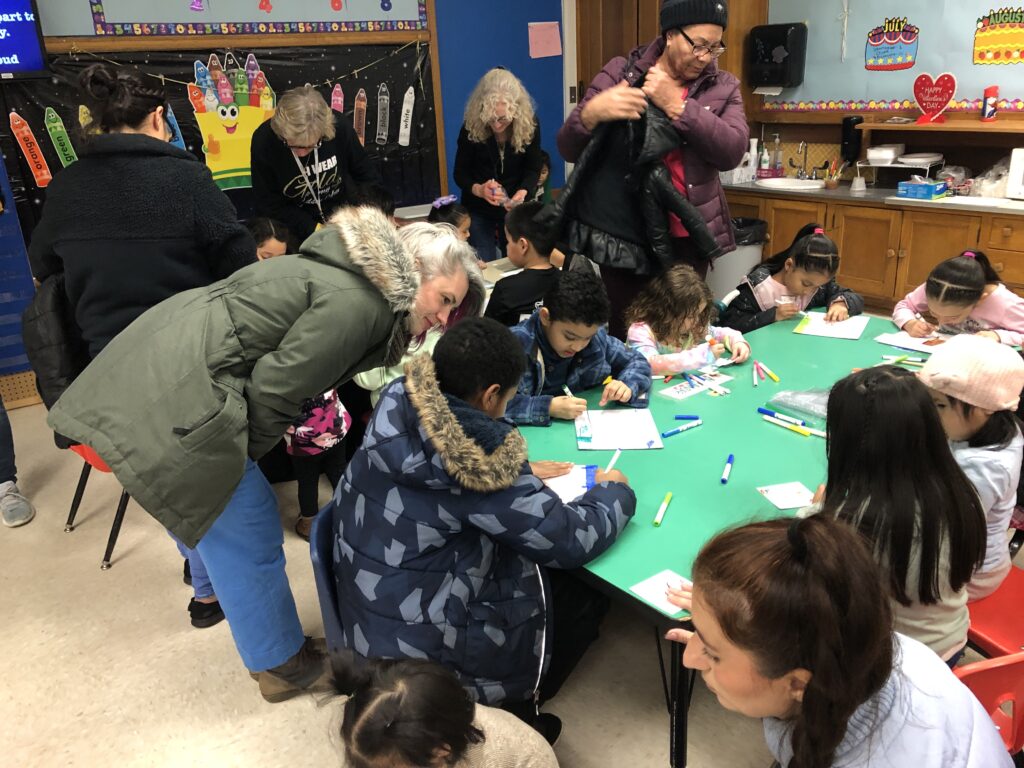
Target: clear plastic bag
[
  {"x": 811, "y": 403},
  {"x": 993, "y": 182}
]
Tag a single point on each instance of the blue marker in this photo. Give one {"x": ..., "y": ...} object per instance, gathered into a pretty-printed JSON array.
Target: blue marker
[
  {"x": 728, "y": 469},
  {"x": 684, "y": 417},
  {"x": 682, "y": 428},
  {"x": 782, "y": 417}
]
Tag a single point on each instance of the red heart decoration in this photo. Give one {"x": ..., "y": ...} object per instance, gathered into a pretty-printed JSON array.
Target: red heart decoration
[
  {"x": 266, "y": 6},
  {"x": 934, "y": 96},
  {"x": 336, "y": 5}
]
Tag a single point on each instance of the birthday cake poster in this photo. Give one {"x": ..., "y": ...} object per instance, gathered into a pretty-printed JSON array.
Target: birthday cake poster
[
  {"x": 999, "y": 37},
  {"x": 892, "y": 46}
]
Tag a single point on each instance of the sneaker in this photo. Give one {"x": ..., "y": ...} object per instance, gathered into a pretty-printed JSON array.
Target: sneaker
[
  {"x": 187, "y": 574},
  {"x": 308, "y": 671},
  {"x": 16, "y": 509},
  {"x": 303, "y": 527},
  {"x": 205, "y": 614},
  {"x": 549, "y": 726}
]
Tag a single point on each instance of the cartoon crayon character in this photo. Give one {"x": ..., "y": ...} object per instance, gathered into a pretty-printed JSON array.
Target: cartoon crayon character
[
  {"x": 216, "y": 70},
  {"x": 230, "y": 62},
  {"x": 225, "y": 93},
  {"x": 267, "y": 98},
  {"x": 59, "y": 137},
  {"x": 383, "y": 114},
  {"x": 210, "y": 101},
  {"x": 338, "y": 99},
  {"x": 203, "y": 79},
  {"x": 359, "y": 116},
  {"x": 172, "y": 123},
  {"x": 195, "y": 97},
  {"x": 227, "y": 133},
  {"x": 252, "y": 68},
  {"x": 256, "y": 89},
  {"x": 405, "y": 123},
  {"x": 30, "y": 148},
  {"x": 241, "y": 87},
  {"x": 85, "y": 120}
]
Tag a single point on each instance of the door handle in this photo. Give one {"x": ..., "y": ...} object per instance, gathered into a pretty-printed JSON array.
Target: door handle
[
  {"x": 998, "y": 266},
  {"x": 902, "y": 254},
  {"x": 890, "y": 253},
  {"x": 1007, "y": 231}
]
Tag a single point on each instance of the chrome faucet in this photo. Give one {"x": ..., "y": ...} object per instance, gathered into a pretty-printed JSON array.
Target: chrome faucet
[{"x": 801, "y": 150}]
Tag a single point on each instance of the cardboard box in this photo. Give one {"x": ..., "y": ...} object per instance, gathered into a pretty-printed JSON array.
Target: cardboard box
[{"x": 918, "y": 190}]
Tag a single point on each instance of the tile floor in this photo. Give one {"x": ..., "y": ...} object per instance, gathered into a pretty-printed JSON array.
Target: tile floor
[{"x": 103, "y": 667}]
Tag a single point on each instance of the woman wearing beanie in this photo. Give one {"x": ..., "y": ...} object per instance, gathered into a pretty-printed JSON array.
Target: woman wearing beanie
[
  {"x": 976, "y": 385},
  {"x": 678, "y": 73}
]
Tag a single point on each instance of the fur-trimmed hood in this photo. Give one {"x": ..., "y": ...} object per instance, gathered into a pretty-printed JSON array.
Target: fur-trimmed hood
[{"x": 465, "y": 456}]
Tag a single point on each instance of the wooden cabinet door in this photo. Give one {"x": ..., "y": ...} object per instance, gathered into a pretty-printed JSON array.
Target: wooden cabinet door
[
  {"x": 868, "y": 240},
  {"x": 928, "y": 238},
  {"x": 744, "y": 206},
  {"x": 787, "y": 217},
  {"x": 604, "y": 29}
]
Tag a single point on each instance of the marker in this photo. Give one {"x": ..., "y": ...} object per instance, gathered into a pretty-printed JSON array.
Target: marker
[
  {"x": 782, "y": 417},
  {"x": 768, "y": 370},
  {"x": 683, "y": 428},
  {"x": 728, "y": 469},
  {"x": 759, "y": 369},
  {"x": 753, "y": 374},
  {"x": 611, "y": 464},
  {"x": 661, "y": 510},
  {"x": 898, "y": 360},
  {"x": 904, "y": 358},
  {"x": 728, "y": 344},
  {"x": 607, "y": 381},
  {"x": 667, "y": 379},
  {"x": 565, "y": 389},
  {"x": 689, "y": 380},
  {"x": 787, "y": 425},
  {"x": 684, "y": 417},
  {"x": 816, "y": 432}
]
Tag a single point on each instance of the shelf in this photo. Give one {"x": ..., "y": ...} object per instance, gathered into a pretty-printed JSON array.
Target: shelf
[{"x": 950, "y": 126}]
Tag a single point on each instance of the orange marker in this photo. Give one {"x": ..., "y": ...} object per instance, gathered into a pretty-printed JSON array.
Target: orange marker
[
  {"x": 30, "y": 148},
  {"x": 359, "y": 116}
]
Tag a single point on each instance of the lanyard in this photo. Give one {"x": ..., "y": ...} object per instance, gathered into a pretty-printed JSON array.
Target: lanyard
[{"x": 315, "y": 194}]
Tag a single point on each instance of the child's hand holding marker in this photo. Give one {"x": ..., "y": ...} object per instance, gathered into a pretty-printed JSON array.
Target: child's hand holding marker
[
  {"x": 919, "y": 328},
  {"x": 837, "y": 312},
  {"x": 740, "y": 352},
  {"x": 786, "y": 309},
  {"x": 569, "y": 407},
  {"x": 610, "y": 476},
  {"x": 616, "y": 391}
]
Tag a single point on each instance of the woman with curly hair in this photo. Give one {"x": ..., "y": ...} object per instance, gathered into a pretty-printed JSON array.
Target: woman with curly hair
[{"x": 498, "y": 160}]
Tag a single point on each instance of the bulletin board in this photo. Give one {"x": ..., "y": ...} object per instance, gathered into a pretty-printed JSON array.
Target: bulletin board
[
  {"x": 231, "y": 17},
  {"x": 380, "y": 81},
  {"x": 888, "y": 45}
]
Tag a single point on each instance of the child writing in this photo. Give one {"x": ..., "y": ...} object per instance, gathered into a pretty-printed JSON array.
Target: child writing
[
  {"x": 447, "y": 210},
  {"x": 793, "y": 626},
  {"x": 891, "y": 476},
  {"x": 963, "y": 295},
  {"x": 976, "y": 385},
  {"x": 529, "y": 247},
  {"x": 568, "y": 348},
  {"x": 450, "y": 548},
  {"x": 411, "y": 713},
  {"x": 670, "y": 322},
  {"x": 272, "y": 238},
  {"x": 802, "y": 277}
]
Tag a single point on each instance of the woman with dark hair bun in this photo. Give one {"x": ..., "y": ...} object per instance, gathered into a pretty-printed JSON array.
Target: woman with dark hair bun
[{"x": 135, "y": 221}]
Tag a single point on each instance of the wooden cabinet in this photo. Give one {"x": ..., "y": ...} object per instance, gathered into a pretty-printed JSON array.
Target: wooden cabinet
[
  {"x": 928, "y": 238},
  {"x": 746, "y": 207},
  {"x": 787, "y": 217},
  {"x": 869, "y": 243}
]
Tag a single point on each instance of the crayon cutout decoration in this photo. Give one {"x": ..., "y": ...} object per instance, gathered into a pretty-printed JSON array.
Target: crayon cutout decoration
[
  {"x": 338, "y": 99},
  {"x": 405, "y": 122},
  {"x": 236, "y": 103},
  {"x": 359, "y": 116},
  {"x": 59, "y": 137},
  {"x": 383, "y": 114},
  {"x": 31, "y": 150}
]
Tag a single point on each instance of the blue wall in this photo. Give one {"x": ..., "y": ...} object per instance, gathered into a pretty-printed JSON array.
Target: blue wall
[{"x": 474, "y": 36}]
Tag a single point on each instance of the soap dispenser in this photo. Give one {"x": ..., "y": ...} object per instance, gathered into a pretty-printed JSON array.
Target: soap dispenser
[{"x": 777, "y": 154}]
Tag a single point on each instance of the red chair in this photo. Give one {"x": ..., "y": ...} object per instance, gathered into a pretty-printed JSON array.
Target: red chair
[
  {"x": 997, "y": 621},
  {"x": 999, "y": 686},
  {"x": 92, "y": 459}
]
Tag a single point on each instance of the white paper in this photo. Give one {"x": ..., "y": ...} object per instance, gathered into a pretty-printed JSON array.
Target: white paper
[
  {"x": 573, "y": 485},
  {"x": 652, "y": 591},
  {"x": 628, "y": 429},
  {"x": 787, "y": 495},
  {"x": 814, "y": 324},
  {"x": 682, "y": 390},
  {"x": 904, "y": 340}
]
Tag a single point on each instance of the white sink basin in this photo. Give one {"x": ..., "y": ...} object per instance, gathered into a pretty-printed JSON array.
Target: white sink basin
[{"x": 792, "y": 185}]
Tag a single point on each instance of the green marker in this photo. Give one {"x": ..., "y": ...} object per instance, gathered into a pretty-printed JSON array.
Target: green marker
[{"x": 59, "y": 137}]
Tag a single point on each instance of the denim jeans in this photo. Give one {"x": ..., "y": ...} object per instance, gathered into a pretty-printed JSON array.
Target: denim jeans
[
  {"x": 483, "y": 235},
  {"x": 8, "y": 472}
]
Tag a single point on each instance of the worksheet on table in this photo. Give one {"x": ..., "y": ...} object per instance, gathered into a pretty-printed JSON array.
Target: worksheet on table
[
  {"x": 628, "y": 429},
  {"x": 571, "y": 486},
  {"x": 904, "y": 340},
  {"x": 814, "y": 324}
]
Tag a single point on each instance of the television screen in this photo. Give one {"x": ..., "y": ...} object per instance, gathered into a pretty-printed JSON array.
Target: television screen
[{"x": 21, "y": 41}]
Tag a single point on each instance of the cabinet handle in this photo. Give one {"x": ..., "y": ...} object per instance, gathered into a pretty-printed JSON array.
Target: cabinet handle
[
  {"x": 998, "y": 266},
  {"x": 890, "y": 253},
  {"x": 1007, "y": 231},
  {"x": 902, "y": 254}
]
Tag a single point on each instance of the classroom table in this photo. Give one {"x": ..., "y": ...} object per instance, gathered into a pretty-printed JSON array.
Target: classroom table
[{"x": 690, "y": 466}]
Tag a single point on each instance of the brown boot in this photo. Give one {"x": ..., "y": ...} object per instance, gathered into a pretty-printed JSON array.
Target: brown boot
[
  {"x": 303, "y": 527},
  {"x": 308, "y": 671}
]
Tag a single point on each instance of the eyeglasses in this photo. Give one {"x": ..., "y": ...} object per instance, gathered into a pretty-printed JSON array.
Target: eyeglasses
[
  {"x": 700, "y": 51},
  {"x": 299, "y": 148},
  {"x": 503, "y": 120}
]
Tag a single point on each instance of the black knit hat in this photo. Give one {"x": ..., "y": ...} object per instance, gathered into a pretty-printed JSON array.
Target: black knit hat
[{"x": 683, "y": 13}]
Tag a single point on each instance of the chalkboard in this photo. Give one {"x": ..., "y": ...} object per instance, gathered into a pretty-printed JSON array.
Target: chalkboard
[{"x": 888, "y": 45}]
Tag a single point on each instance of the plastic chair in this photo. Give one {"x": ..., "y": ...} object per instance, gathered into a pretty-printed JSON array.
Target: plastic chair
[
  {"x": 998, "y": 684},
  {"x": 321, "y": 551},
  {"x": 92, "y": 459},
  {"x": 997, "y": 622}
]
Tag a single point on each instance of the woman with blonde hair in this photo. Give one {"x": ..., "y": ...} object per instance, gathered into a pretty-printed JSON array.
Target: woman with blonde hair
[
  {"x": 307, "y": 161},
  {"x": 498, "y": 160}
]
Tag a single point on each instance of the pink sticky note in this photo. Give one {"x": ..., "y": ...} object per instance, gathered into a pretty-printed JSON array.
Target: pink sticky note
[{"x": 545, "y": 39}]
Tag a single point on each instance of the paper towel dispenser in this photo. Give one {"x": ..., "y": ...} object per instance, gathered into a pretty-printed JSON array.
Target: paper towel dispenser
[{"x": 776, "y": 54}]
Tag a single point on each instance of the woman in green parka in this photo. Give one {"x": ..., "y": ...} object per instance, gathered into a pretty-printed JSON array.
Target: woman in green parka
[{"x": 184, "y": 401}]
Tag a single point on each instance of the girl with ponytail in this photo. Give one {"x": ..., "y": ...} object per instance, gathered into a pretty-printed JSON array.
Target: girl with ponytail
[
  {"x": 412, "y": 713},
  {"x": 792, "y": 625},
  {"x": 801, "y": 277},
  {"x": 963, "y": 295}
]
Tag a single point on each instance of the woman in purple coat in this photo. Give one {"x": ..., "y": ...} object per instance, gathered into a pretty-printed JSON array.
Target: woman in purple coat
[{"x": 677, "y": 73}]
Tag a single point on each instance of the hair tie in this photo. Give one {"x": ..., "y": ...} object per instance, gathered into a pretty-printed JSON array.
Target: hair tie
[
  {"x": 819, "y": 231},
  {"x": 797, "y": 541},
  {"x": 446, "y": 200},
  {"x": 969, "y": 255}
]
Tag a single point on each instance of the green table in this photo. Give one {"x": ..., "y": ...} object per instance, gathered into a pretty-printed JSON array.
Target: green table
[{"x": 690, "y": 465}]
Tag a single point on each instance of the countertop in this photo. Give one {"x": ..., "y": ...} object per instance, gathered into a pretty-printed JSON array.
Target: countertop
[{"x": 886, "y": 196}]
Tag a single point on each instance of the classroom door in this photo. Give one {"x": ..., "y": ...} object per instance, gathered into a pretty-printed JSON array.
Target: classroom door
[
  {"x": 927, "y": 239},
  {"x": 868, "y": 240}
]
